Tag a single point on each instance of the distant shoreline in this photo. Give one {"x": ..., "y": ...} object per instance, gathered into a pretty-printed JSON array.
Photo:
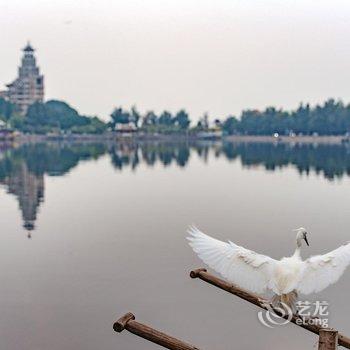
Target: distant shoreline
[
  {"x": 330, "y": 139},
  {"x": 111, "y": 137}
]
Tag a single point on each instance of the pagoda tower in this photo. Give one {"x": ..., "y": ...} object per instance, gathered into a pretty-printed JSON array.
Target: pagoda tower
[{"x": 29, "y": 85}]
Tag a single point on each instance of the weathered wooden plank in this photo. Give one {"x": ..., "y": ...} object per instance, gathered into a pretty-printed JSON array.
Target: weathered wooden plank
[
  {"x": 328, "y": 339},
  {"x": 203, "y": 275},
  {"x": 128, "y": 322}
]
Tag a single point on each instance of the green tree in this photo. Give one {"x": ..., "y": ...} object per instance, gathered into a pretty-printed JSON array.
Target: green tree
[
  {"x": 7, "y": 110},
  {"x": 230, "y": 125},
  {"x": 57, "y": 116},
  {"x": 166, "y": 119},
  {"x": 203, "y": 122},
  {"x": 150, "y": 119},
  {"x": 182, "y": 119},
  {"x": 135, "y": 116}
]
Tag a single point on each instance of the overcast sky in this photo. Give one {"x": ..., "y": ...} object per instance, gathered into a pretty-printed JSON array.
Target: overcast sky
[{"x": 218, "y": 56}]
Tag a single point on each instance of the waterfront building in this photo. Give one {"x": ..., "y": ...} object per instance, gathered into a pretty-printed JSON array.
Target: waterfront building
[{"x": 28, "y": 87}]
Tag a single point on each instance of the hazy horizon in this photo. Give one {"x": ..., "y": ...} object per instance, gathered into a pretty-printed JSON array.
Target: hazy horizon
[{"x": 205, "y": 56}]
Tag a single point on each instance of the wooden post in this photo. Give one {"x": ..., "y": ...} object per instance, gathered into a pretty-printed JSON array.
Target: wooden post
[
  {"x": 328, "y": 339},
  {"x": 128, "y": 322},
  {"x": 119, "y": 325},
  {"x": 203, "y": 275}
]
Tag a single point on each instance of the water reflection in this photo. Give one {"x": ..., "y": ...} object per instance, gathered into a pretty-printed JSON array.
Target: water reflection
[
  {"x": 23, "y": 168},
  {"x": 29, "y": 190},
  {"x": 132, "y": 154},
  {"x": 22, "y": 172},
  {"x": 330, "y": 160}
]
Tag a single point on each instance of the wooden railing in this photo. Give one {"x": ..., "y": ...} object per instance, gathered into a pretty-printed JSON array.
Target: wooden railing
[
  {"x": 329, "y": 339},
  {"x": 128, "y": 322},
  {"x": 327, "y": 336}
]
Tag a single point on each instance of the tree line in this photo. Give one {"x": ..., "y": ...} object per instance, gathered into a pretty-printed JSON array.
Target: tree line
[
  {"x": 330, "y": 118},
  {"x": 329, "y": 160},
  {"x": 150, "y": 121},
  {"x": 51, "y": 116}
]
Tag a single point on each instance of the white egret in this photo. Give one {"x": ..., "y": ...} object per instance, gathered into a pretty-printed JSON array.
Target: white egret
[{"x": 259, "y": 273}]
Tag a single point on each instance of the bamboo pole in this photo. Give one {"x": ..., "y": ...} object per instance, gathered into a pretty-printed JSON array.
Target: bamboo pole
[
  {"x": 328, "y": 339},
  {"x": 203, "y": 275},
  {"x": 128, "y": 322}
]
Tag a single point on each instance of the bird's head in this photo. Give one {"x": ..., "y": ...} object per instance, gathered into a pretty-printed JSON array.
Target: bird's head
[{"x": 301, "y": 235}]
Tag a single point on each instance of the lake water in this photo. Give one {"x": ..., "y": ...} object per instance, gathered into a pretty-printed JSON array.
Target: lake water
[{"x": 91, "y": 231}]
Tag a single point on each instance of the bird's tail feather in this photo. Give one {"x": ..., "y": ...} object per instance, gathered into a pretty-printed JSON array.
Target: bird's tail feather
[{"x": 285, "y": 301}]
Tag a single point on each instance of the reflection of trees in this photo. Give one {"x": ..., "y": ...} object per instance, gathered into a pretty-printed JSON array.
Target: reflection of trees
[
  {"x": 22, "y": 171},
  {"x": 330, "y": 160},
  {"x": 131, "y": 154},
  {"x": 124, "y": 154},
  {"x": 56, "y": 159}
]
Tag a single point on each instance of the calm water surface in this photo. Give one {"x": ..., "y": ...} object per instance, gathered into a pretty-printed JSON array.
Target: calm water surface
[{"x": 91, "y": 231}]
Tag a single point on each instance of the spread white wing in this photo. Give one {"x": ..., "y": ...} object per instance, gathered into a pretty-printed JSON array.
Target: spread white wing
[
  {"x": 322, "y": 270},
  {"x": 238, "y": 265}
]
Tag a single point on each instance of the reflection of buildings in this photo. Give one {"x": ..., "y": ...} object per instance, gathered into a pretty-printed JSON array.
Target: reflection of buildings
[
  {"x": 29, "y": 189},
  {"x": 22, "y": 171},
  {"x": 124, "y": 154}
]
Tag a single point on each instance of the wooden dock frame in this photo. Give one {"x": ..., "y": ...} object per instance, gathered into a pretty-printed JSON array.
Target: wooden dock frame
[{"x": 329, "y": 339}]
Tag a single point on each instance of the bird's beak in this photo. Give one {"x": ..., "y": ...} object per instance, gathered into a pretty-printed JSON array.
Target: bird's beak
[{"x": 306, "y": 241}]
